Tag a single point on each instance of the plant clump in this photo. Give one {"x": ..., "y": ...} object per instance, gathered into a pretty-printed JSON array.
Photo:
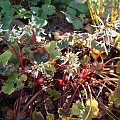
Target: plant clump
[{"x": 67, "y": 75}]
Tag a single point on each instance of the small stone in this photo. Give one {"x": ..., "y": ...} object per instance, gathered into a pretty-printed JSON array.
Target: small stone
[{"x": 89, "y": 28}]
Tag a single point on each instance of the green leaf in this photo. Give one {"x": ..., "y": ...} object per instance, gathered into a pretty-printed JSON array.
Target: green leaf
[
  {"x": 69, "y": 19},
  {"x": 63, "y": 43},
  {"x": 34, "y": 2},
  {"x": 7, "y": 8},
  {"x": 23, "y": 13},
  {"x": 8, "y": 88},
  {"x": 50, "y": 117},
  {"x": 53, "y": 50},
  {"x": 39, "y": 22},
  {"x": 13, "y": 83},
  {"x": 82, "y": 16},
  {"x": 48, "y": 9},
  {"x": 6, "y": 22},
  {"x": 78, "y": 1},
  {"x": 114, "y": 98},
  {"x": 37, "y": 116},
  {"x": 7, "y": 69},
  {"x": 75, "y": 110},
  {"x": 47, "y": 2},
  {"x": 5, "y": 56},
  {"x": 53, "y": 92},
  {"x": 5, "y": 5},
  {"x": 72, "y": 12},
  {"x": 77, "y": 24},
  {"x": 84, "y": 114},
  {"x": 77, "y": 107},
  {"x": 83, "y": 8},
  {"x": 96, "y": 46},
  {"x": 23, "y": 78},
  {"x": 36, "y": 10}
]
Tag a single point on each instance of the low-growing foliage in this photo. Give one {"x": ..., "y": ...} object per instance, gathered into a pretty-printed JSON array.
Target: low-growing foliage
[
  {"x": 80, "y": 109},
  {"x": 66, "y": 70},
  {"x": 114, "y": 98}
]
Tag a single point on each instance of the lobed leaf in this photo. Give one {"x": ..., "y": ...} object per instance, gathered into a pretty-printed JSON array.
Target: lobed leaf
[
  {"x": 53, "y": 50},
  {"x": 53, "y": 92},
  {"x": 50, "y": 117},
  {"x": 77, "y": 107},
  {"x": 13, "y": 83},
  {"x": 48, "y": 9},
  {"x": 37, "y": 116}
]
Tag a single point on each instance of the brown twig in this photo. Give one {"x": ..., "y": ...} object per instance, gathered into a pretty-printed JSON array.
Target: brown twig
[{"x": 32, "y": 99}]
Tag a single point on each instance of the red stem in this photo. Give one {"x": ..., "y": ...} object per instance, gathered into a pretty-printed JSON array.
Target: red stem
[{"x": 17, "y": 55}]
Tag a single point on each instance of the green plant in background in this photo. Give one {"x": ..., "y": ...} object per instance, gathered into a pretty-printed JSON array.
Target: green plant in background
[
  {"x": 40, "y": 14},
  {"x": 9, "y": 13},
  {"x": 75, "y": 12}
]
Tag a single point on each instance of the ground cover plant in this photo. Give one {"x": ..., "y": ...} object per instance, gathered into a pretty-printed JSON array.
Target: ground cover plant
[{"x": 60, "y": 60}]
